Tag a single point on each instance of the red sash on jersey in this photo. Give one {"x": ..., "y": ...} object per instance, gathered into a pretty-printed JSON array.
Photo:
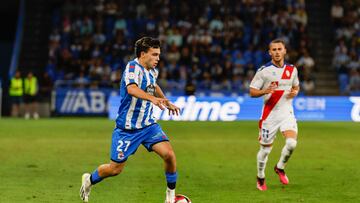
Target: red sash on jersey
[
  {"x": 287, "y": 72},
  {"x": 270, "y": 104}
]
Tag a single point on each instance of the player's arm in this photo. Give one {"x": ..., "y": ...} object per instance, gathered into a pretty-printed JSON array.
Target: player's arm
[
  {"x": 294, "y": 91},
  {"x": 257, "y": 88},
  {"x": 171, "y": 107},
  {"x": 159, "y": 93},
  {"x": 261, "y": 92},
  {"x": 135, "y": 91}
]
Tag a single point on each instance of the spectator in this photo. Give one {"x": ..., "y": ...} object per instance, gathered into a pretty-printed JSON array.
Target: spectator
[
  {"x": 190, "y": 88},
  {"x": 30, "y": 96},
  {"x": 16, "y": 93},
  {"x": 45, "y": 87},
  {"x": 354, "y": 84},
  {"x": 203, "y": 33},
  {"x": 306, "y": 62},
  {"x": 308, "y": 85}
]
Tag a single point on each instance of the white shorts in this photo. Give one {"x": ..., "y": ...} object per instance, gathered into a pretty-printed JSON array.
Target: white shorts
[{"x": 269, "y": 128}]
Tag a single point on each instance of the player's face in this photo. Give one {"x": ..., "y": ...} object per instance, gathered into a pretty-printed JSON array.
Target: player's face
[
  {"x": 151, "y": 57},
  {"x": 277, "y": 52}
]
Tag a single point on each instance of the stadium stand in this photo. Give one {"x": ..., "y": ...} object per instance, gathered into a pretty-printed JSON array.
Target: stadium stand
[
  {"x": 346, "y": 61},
  {"x": 211, "y": 46}
]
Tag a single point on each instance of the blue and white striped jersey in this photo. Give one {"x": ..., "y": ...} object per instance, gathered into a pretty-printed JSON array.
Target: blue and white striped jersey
[{"x": 135, "y": 113}]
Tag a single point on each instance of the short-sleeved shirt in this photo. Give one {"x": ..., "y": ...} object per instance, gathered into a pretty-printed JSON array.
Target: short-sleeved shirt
[
  {"x": 276, "y": 105},
  {"x": 135, "y": 113}
]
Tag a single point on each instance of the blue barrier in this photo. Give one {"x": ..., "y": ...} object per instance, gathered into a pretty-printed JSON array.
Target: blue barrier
[
  {"x": 106, "y": 101},
  {"x": 81, "y": 101},
  {"x": 246, "y": 108}
]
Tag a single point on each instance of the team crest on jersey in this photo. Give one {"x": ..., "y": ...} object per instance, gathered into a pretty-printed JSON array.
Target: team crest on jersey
[
  {"x": 287, "y": 72},
  {"x": 131, "y": 75},
  {"x": 150, "y": 89},
  {"x": 121, "y": 155}
]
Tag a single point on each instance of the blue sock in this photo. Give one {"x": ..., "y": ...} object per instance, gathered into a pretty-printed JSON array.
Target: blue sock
[
  {"x": 171, "y": 180},
  {"x": 95, "y": 178}
]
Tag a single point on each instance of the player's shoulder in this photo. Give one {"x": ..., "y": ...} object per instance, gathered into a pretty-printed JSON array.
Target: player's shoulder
[
  {"x": 290, "y": 65},
  {"x": 264, "y": 67},
  {"x": 133, "y": 65}
]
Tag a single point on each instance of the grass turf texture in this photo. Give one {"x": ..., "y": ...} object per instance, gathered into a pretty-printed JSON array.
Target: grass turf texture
[{"x": 42, "y": 161}]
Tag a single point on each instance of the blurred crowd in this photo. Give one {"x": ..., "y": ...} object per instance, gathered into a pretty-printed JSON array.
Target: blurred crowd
[
  {"x": 346, "y": 21},
  {"x": 206, "y": 45}
]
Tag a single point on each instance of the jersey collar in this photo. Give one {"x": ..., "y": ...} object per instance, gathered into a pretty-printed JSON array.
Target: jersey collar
[{"x": 278, "y": 66}]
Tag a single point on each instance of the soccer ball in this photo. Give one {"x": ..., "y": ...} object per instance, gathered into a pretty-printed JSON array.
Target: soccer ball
[{"x": 182, "y": 199}]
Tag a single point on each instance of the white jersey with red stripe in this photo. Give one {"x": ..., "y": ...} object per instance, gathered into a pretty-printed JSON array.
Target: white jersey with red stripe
[{"x": 276, "y": 106}]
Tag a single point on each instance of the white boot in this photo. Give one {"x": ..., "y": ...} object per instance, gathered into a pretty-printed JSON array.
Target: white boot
[
  {"x": 36, "y": 116},
  {"x": 170, "y": 196},
  {"x": 85, "y": 187}
]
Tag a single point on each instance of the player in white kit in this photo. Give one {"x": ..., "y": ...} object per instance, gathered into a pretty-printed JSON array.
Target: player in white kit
[{"x": 278, "y": 82}]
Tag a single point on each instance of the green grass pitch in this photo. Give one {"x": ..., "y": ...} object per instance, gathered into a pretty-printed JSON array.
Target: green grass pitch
[{"x": 42, "y": 161}]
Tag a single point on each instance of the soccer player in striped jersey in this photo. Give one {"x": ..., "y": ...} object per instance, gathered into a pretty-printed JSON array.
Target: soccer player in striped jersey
[
  {"x": 135, "y": 123},
  {"x": 278, "y": 82}
]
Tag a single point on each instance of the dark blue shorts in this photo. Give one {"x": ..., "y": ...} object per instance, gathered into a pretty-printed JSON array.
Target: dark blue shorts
[
  {"x": 16, "y": 100},
  {"x": 126, "y": 142}
]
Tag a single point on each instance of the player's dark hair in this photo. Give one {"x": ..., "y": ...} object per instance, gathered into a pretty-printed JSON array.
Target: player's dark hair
[
  {"x": 278, "y": 40},
  {"x": 144, "y": 44}
]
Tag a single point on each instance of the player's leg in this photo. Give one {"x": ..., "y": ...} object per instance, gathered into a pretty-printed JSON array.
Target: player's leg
[
  {"x": 158, "y": 141},
  {"x": 165, "y": 151},
  {"x": 262, "y": 157},
  {"x": 289, "y": 131},
  {"x": 267, "y": 134},
  {"x": 121, "y": 148},
  {"x": 106, "y": 170},
  {"x": 102, "y": 172}
]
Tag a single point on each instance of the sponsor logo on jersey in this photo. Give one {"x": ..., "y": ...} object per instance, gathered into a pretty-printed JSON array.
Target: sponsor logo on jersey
[
  {"x": 275, "y": 83},
  {"x": 150, "y": 89}
]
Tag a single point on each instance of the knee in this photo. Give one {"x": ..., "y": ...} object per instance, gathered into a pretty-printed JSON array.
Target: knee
[
  {"x": 291, "y": 143},
  {"x": 169, "y": 156},
  {"x": 265, "y": 150}
]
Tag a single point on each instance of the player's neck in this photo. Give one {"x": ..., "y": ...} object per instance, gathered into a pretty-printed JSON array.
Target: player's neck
[
  {"x": 143, "y": 64},
  {"x": 279, "y": 64}
]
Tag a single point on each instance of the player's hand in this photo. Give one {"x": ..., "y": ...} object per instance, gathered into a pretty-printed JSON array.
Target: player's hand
[
  {"x": 270, "y": 89},
  {"x": 160, "y": 102},
  {"x": 293, "y": 92},
  {"x": 173, "y": 110}
]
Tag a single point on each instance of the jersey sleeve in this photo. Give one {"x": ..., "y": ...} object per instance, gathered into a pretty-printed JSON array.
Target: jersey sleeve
[
  {"x": 296, "y": 78},
  {"x": 131, "y": 75},
  {"x": 258, "y": 81}
]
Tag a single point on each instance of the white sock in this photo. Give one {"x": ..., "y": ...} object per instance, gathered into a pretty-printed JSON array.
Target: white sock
[
  {"x": 170, "y": 195},
  {"x": 262, "y": 157},
  {"x": 286, "y": 152}
]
